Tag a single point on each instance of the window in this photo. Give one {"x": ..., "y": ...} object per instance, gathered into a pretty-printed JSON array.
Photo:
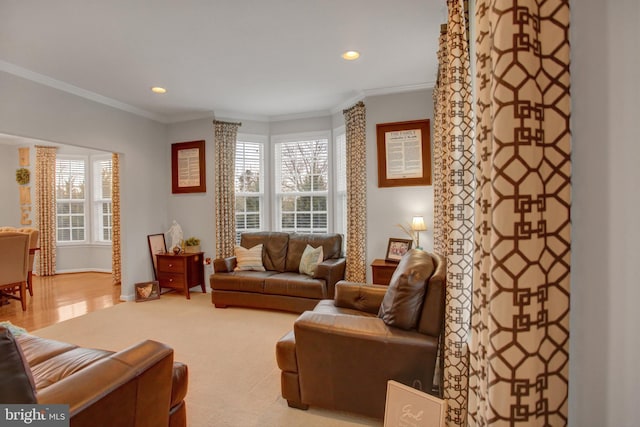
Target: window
[
  {"x": 249, "y": 186},
  {"x": 83, "y": 198},
  {"x": 302, "y": 172},
  {"x": 102, "y": 178},
  {"x": 70, "y": 199}
]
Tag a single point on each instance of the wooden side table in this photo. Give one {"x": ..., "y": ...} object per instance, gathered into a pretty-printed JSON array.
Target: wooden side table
[
  {"x": 382, "y": 271},
  {"x": 181, "y": 272}
]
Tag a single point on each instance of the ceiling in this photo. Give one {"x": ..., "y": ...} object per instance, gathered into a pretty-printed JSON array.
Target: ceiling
[{"x": 262, "y": 59}]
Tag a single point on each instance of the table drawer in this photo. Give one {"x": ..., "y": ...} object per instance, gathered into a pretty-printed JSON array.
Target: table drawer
[
  {"x": 170, "y": 280},
  {"x": 171, "y": 264}
]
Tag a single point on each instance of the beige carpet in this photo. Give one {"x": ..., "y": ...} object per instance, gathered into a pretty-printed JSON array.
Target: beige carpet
[{"x": 233, "y": 376}]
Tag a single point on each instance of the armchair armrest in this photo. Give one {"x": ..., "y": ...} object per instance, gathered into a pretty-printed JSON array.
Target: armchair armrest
[
  {"x": 224, "y": 265},
  {"x": 137, "y": 381},
  {"x": 344, "y": 362},
  {"x": 332, "y": 271},
  {"x": 360, "y": 297}
]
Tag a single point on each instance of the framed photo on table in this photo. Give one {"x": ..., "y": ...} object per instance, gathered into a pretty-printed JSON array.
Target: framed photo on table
[
  {"x": 404, "y": 153},
  {"x": 188, "y": 167},
  {"x": 397, "y": 248}
]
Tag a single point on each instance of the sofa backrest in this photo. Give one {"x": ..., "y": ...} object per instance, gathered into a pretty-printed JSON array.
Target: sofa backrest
[
  {"x": 331, "y": 247},
  {"x": 432, "y": 315},
  {"x": 274, "y": 247}
]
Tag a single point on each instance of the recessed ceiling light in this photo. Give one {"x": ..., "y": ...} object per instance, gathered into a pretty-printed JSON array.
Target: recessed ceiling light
[
  {"x": 350, "y": 55},
  {"x": 158, "y": 89}
]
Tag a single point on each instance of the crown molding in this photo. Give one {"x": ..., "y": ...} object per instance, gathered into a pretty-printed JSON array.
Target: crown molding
[
  {"x": 219, "y": 114},
  {"x": 83, "y": 93}
]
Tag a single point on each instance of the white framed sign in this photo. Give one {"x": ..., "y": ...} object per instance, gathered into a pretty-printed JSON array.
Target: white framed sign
[{"x": 408, "y": 407}]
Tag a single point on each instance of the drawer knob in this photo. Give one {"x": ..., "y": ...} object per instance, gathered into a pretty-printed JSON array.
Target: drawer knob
[
  {"x": 171, "y": 280},
  {"x": 170, "y": 265}
]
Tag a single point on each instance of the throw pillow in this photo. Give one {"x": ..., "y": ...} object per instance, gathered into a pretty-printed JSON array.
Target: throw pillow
[
  {"x": 249, "y": 259},
  {"x": 311, "y": 257},
  {"x": 16, "y": 381}
]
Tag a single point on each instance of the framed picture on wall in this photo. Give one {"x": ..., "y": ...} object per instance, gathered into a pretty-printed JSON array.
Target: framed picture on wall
[
  {"x": 404, "y": 153},
  {"x": 188, "y": 167}
]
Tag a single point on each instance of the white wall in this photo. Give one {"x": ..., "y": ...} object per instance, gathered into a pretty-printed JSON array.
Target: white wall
[
  {"x": 387, "y": 207},
  {"x": 605, "y": 290},
  {"x": 28, "y": 109},
  {"x": 10, "y": 211}
]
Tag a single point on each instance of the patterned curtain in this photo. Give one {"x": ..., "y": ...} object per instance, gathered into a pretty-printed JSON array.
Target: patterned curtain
[
  {"x": 225, "y": 161},
  {"x": 454, "y": 185},
  {"x": 520, "y": 324},
  {"x": 116, "y": 267},
  {"x": 46, "y": 209},
  {"x": 355, "y": 122}
]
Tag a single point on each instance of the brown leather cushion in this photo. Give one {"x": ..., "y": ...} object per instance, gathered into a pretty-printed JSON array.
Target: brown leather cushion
[
  {"x": 331, "y": 247},
  {"x": 402, "y": 303},
  {"x": 274, "y": 252},
  {"x": 16, "y": 381}
]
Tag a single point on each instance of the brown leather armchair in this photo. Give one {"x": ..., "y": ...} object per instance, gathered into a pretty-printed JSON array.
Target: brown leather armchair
[{"x": 341, "y": 355}]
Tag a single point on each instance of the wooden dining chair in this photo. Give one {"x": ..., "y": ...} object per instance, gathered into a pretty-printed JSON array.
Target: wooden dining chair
[{"x": 14, "y": 266}]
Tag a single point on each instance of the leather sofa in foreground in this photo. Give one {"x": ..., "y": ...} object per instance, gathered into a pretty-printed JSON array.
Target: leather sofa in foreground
[
  {"x": 281, "y": 286},
  {"x": 138, "y": 386},
  {"x": 341, "y": 355}
]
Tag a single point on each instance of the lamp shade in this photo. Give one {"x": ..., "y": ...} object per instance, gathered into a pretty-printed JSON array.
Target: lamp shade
[{"x": 417, "y": 223}]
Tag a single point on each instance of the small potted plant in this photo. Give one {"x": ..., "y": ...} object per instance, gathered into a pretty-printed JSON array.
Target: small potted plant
[{"x": 192, "y": 245}]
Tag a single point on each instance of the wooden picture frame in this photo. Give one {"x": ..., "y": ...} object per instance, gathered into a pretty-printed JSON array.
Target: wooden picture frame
[
  {"x": 157, "y": 245},
  {"x": 407, "y": 406},
  {"x": 147, "y": 291},
  {"x": 188, "y": 172},
  {"x": 404, "y": 153},
  {"x": 397, "y": 248}
]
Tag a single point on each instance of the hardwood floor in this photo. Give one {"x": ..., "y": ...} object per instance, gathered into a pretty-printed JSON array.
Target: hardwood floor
[{"x": 61, "y": 297}]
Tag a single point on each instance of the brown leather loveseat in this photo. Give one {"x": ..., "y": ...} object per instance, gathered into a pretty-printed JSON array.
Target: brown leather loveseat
[
  {"x": 138, "y": 386},
  {"x": 281, "y": 286},
  {"x": 341, "y": 355}
]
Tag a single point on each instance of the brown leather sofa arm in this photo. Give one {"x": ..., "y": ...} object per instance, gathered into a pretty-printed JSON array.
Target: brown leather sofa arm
[
  {"x": 332, "y": 271},
  {"x": 130, "y": 388},
  {"x": 224, "y": 265},
  {"x": 359, "y": 297}
]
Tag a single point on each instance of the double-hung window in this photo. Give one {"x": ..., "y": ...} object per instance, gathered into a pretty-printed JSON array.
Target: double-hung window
[
  {"x": 83, "y": 199},
  {"x": 71, "y": 199},
  {"x": 102, "y": 207},
  {"x": 249, "y": 186},
  {"x": 301, "y": 184}
]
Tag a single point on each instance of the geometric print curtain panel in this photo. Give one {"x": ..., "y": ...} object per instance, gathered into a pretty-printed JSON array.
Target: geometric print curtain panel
[
  {"x": 454, "y": 184},
  {"x": 116, "y": 251},
  {"x": 519, "y": 349},
  {"x": 225, "y": 135},
  {"x": 46, "y": 209},
  {"x": 356, "y": 180}
]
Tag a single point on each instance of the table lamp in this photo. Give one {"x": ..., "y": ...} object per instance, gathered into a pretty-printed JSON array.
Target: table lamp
[{"x": 417, "y": 225}]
